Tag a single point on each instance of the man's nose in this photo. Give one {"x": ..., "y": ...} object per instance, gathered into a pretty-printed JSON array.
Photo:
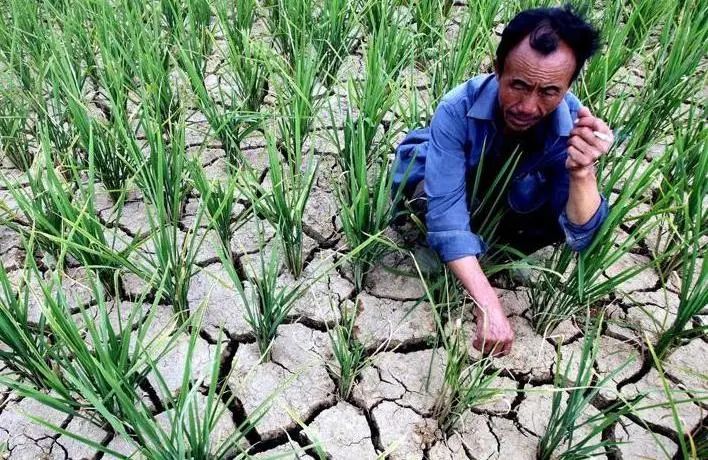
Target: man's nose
[{"x": 529, "y": 105}]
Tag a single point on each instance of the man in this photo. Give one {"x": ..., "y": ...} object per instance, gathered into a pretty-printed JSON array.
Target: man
[{"x": 524, "y": 106}]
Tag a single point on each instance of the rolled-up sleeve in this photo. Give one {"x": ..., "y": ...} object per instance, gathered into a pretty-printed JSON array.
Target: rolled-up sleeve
[
  {"x": 447, "y": 218},
  {"x": 579, "y": 237}
]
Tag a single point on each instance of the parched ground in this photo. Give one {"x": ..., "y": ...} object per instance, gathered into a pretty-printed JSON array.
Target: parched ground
[{"x": 390, "y": 411}]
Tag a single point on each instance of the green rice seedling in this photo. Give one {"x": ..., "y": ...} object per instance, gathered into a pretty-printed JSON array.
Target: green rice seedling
[
  {"x": 14, "y": 129},
  {"x": 456, "y": 59},
  {"x": 625, "y": 29},
  {"x": 163, "y": 179},
  {"x": 109, "y": 156},
  {"x": 267, "y": 302},
  {"x": 684, "y": 180},
  {"x": 364, "y": 195},
  {"x": 100, "y": 355},
  {"x": 349, "y": 353},
  {"x": 291, "y": 24},
  {"x": 674, "y": 73},
  {"x": 186, "y": 428},
  {"x": 247, "y": 59},
  {"x": 25, "y": 346},
  {"x": 571, "y": 432},
  {"x": 430, "y": 17},
  {"x": 219, "y": 201},
  {"x": 693, "y": 296},
  {"x": 466, "y": 383},
  {"x": 61, "y": 218},
  {"x": 22, "y": 41},
  {"x": 283, "y": 203},
  {"x": 335, "y": 36},
  {"x": 583, "y": 283}
]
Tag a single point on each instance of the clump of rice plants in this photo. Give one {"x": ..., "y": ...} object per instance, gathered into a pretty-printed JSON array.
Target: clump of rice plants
[
  {"x": 219, "y": 201},
  {"x": 283, "y": 202},
  {"x": 625, "y": 28},
  {"x": 571, "y": 433},
  {"x": 691, "y": 190},
  {"x": 247, "y": 60},
  {"x": 363, "y": 190},
  {"x": 455, "y": 60},
  {"x": 583, "y": 282},
  {"x": 232, "y": 116},
  {"x": 430, "y": 17},
  {"x": 349, "y": 353},
  {"x": 466, "y": 383},
  {"x": 25, "y": 345},
  {"x": 267, "y": 302},
  {"x": 62, "y": 219},
  {"x": 14, "y": 126}
]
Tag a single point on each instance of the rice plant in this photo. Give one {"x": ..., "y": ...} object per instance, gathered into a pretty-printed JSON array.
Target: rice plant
[
  {"x": 572, "y": 433},
  {"x": 673, "y": 75},
  {"x": 583, "y": 282},
  {"x": 283, "y": 202},
  {"x": 363, "y": 190},
  {"x": 247, "y": 59},
  {"x": 430, "y": 17},
  {"x": 232, "y": 116},
  {"x": 456, "y": 59},
  {"x": 186, "y": 430},
  {"x": 336, "y": 35},
  {"x": 267, "y": 302},
  {"x": 14, "y": 129},
  {"x": 363, "y": 193},
  {"x": 219, "y": 201},
  {"x": 466, "y": 383},
  {"x": 350, "y": 355},
  {"x": 693, "y": 296},
  {"x": 625, "y": 28},
  {"x": 63, "y": 219},
  {"x": 25, "y": 346},
  {"x": 109, "y": 156}
]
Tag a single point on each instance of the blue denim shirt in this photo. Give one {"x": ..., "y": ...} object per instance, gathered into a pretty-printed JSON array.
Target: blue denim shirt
[{"x": 461, "y": 131}]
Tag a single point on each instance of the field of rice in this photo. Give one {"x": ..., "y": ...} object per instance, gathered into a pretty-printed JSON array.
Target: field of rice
[{"x": 197, "y": 262}]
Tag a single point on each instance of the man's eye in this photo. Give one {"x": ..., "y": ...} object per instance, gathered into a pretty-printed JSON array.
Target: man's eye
[
  {"x": 550, "y": 93},
  {"x": 519, "y": 86}
]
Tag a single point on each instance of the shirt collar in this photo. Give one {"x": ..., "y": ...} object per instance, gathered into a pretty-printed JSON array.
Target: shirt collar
[{"x": 486, "y": 102}]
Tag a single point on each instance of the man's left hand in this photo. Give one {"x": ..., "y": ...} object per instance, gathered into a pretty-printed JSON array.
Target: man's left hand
[{"x": 584, "y": 146}]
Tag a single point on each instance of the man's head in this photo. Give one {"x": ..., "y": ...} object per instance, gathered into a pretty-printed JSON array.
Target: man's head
[{"x": 539, "y": 56}]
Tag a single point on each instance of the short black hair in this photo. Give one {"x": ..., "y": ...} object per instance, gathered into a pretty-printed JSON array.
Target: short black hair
[{"x": 546, "y": 26}]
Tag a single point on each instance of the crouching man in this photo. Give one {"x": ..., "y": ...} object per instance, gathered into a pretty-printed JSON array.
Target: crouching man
[{"x": 524, "y": 106}]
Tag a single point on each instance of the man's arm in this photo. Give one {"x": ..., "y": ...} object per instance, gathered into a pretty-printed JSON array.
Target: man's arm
[
  {"x": 494, "y": 333},
  {"x": 584, "y": 148},
  {"x": 448, "y": 226}
]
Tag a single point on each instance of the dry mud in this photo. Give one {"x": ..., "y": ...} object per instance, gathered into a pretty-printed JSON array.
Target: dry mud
[{"x": 390, "y": 411}]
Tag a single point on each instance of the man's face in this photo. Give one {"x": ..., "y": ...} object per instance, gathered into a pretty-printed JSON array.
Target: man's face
[{"x": 532, "y": 85}]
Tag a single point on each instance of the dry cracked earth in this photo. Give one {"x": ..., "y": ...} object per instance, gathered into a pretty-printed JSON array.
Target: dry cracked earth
[{"x": 390, "y": 410}]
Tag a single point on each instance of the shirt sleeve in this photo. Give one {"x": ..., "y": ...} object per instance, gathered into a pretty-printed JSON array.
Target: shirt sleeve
[
  {"x": 577, "y": 237},
  {"x": 447, "y": 218}
]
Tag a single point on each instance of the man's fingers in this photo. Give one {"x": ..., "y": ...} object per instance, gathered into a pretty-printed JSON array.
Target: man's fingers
[
  {"x": 582, "y": 152},
  {"x": 600, "y": 141}
]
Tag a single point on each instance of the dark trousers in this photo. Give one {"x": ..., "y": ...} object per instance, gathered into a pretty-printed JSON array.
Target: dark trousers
[{"x": 525, "y": 233}]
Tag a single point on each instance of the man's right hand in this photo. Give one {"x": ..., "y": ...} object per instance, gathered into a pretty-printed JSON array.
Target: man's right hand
[{"x": 494, "y": 333}]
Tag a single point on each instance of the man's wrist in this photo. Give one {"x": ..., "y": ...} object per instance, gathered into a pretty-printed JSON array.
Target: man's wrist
[{"x": 586, "y": 174}]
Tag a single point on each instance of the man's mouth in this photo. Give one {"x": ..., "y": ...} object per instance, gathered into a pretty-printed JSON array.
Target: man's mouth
[{"x": 521, "y": 121}]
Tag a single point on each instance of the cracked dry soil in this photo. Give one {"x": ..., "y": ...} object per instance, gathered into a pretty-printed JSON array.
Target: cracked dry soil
[{"x": 390, "y": 411}]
